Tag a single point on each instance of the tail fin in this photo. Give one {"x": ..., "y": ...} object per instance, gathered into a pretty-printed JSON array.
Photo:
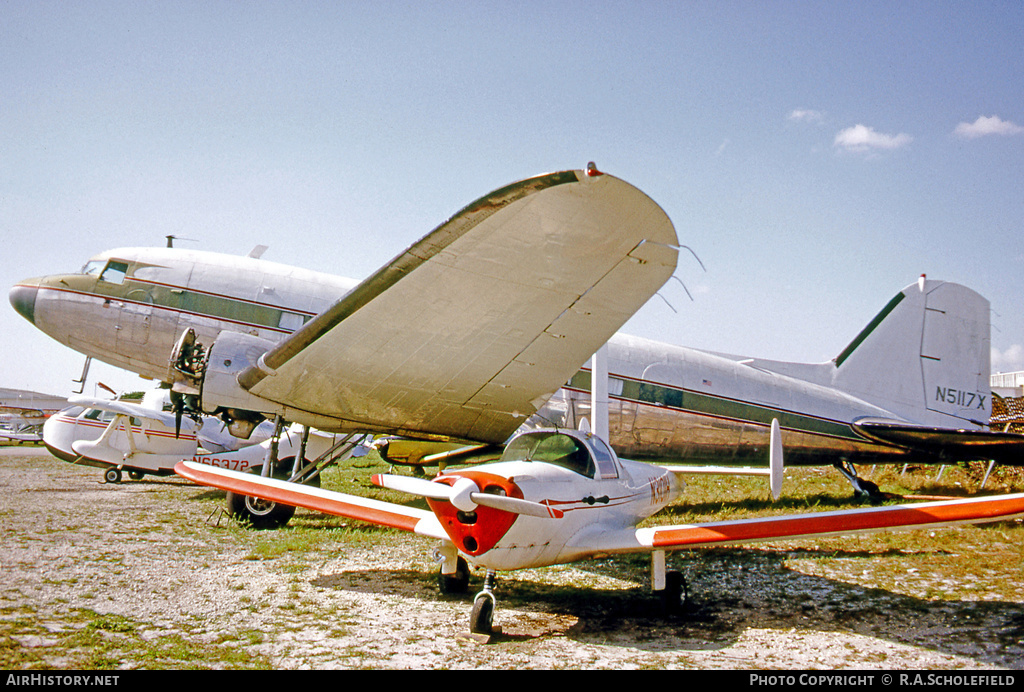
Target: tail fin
[{"x": 924, "y": 357}]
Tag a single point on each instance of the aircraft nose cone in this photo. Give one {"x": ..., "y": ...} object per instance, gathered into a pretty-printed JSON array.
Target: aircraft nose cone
[{"x": 23, "y": 298}]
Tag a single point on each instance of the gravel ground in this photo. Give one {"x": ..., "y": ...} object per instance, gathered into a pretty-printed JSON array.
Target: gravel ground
[{"x": 143, "y": 565}]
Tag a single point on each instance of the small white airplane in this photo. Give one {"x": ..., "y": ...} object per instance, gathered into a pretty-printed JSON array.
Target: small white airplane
[
  {"x": 145, "y": 438},
  {"x": 480, "y": 329},
  {"x": 559, "y": 496},
  {"x": 22, "y": 413}
]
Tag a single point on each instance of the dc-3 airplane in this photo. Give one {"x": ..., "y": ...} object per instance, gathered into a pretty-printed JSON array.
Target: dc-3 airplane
[
  {"x": 480, "y": 328},
  {"x": 464, "y": 336}
]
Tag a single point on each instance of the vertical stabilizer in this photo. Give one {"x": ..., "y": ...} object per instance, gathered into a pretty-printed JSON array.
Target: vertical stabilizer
[{"x": 924, "y": 357}]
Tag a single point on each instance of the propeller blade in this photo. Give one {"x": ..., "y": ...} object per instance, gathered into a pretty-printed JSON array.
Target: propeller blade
[
  {"x": 440, "y": 491},
  {"x": 517, "y": 506},
  {"x": 413, "y": 486}
]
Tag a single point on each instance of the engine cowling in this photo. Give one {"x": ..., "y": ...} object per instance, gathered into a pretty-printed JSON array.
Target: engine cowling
[{"x": 230, "y": 354}]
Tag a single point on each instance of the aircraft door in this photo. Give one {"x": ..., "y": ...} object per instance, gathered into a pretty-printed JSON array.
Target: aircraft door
[{"x": 135, "y": 319}]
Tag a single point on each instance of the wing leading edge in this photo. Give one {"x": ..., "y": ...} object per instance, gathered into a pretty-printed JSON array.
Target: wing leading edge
[
  {"x": 812, "y": 525},
  {"x": 474, "y": 327},
  {"x": 388, "y": 514}
]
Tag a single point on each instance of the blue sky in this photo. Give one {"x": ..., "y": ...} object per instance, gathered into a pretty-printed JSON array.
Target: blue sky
[{"x": 816, "y": 156}]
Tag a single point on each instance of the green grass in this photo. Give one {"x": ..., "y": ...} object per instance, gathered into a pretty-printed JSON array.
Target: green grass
[{"x": 86, "y": 640}]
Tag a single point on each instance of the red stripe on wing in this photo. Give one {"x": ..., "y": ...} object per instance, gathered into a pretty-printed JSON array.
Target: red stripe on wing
[
  {"x": 339, "y": 504},
  {"x": 853, "y": 521}
]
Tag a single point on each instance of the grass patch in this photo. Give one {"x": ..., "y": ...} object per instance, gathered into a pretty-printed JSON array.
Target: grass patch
[{"x": 86, "y": 640}]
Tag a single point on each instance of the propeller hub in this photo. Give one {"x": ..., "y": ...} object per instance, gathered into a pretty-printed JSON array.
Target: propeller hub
[{"x": 462, "y": 489}]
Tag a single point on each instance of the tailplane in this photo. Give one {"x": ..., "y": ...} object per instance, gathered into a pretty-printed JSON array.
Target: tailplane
[{"x": 925, "y": 357}]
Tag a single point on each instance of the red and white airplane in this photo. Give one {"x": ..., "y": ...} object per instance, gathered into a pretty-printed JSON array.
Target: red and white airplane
[{"x": 559, "y": 496}]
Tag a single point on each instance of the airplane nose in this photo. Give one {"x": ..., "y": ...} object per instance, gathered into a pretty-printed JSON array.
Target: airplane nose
[{"x": 23, "y": 298}]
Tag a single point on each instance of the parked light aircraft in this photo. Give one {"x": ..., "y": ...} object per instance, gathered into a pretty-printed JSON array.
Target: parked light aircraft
[
  {"x": 145, "y": 438},
  {"x": 22, "y": 413},
  {"x": 560, "y": 496},
  {"x": 482, "y": 326}
]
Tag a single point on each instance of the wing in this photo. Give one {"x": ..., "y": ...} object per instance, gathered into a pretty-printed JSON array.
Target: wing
[
  {"x": 947, "y": 445},
  {"x": 420, "y": 521},
  {"x": 897, "y": 517},
  {"x": 473, "y": 328},
  {"x": 133, "y": 410}
]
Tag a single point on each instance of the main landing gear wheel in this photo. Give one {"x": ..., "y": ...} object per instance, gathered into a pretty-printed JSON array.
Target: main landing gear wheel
[
  {"x": 112, "y": 475},
  {"x": 264, "y": 514},
  {"x": 136, "y": 475},
  {"x": 674, "y": 595},
  {"x": 257, "y": 512},
  {"x": 457, "y": 583}
]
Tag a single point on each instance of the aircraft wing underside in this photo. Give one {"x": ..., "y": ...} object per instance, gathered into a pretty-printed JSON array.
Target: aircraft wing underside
[
  {"x": 945, "y": 444},
  {"x": 475, "y": 326}
]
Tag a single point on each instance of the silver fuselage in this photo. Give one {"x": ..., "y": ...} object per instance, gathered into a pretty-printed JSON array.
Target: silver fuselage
[{"x": 129, "y": 306}]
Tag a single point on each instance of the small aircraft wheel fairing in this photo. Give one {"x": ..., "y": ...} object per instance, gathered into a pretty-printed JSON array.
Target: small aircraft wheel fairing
[
  {"x": 457, "y": 583},
  {"x": 257, "y": 512},
  {"x": 481, "y": 620},
  {"x": 112, "y": 475},
  {"x": 674, "y": 596}
]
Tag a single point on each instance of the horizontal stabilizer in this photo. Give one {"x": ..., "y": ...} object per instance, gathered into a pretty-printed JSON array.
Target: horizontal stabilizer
[{"x": 946, "y": 445}]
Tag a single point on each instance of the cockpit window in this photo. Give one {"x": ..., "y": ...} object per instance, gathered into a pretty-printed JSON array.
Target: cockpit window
[
  {"x": 114, "y": 272},
  {"x": 552, "y": 448},
  {"x": 93, "y": 267}
]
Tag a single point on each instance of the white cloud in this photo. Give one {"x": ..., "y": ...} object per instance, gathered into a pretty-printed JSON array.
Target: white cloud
[
  {"x": 1010, "y": 360},
  {"x": 987, "y": 126},
  {"x": 807, "y": 116},
  {"x": 864, "y": 138}
]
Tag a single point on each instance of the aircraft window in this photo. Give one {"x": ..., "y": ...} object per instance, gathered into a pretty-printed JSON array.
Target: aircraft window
[
  {"x": 93, "y": 267},
  {"x": 552, "y": 448},
  {"x": 603, "y": 458},
  {"x": 290, "y": 321},
  {"x": 115, "y": 272}
]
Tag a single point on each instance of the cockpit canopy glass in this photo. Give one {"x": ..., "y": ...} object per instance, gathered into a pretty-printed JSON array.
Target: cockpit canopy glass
[
  {"x": 552, "y": 448},
  {"x": 112, "y": 271}
]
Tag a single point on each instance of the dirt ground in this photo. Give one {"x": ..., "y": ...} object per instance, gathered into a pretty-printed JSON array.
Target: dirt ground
[{"x": 145, "y": 564}]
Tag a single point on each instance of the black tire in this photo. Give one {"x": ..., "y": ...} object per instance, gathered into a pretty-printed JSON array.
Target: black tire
[
  {"x": 457, "y": 583},
  {"x": 481, "y": 620},
  {"x": 136, "y": 475},
  {"x": 673, "y": 598},
  {"x": 261, "y": 514},
  {"x": 112, "y": 475},
  {"x": 258, "y": 513}
]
